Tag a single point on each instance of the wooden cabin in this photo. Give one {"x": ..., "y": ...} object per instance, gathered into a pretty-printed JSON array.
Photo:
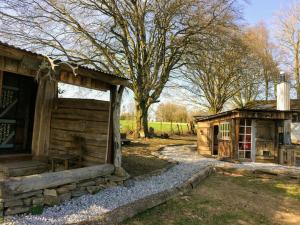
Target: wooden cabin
[
  {"x": 245, "y": 134},
  {"x": 260, "y": 131},
  {"x": 72, "y": 144}
]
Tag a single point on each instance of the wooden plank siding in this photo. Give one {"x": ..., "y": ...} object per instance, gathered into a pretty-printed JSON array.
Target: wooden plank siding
[
  {"x": 83, "y": 118},
  {"x": 224, "y": 148},
  {"x": 236, "y": 143},
  {"x": 82, "y": 81},
  {"x": 204, "y": 142}
]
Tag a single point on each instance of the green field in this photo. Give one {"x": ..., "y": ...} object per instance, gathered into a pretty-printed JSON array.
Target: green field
[{"x": 159, "y": 127}]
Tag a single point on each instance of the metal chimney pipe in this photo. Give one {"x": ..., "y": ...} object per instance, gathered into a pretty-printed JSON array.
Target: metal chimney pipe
[{"x": 283, "y": 93}]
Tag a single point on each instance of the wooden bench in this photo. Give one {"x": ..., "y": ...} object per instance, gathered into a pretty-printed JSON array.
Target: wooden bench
[{"x": 73, "y": 154}]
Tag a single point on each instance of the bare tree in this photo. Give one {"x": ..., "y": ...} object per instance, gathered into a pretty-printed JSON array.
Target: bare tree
[
  {"x": 213, "y": 76},
  {"x": 248, "y": 87},
  {"x": 261, "y": 69},
  {"x": 140, "y": 39},
  {"x": 257, "y": 39},
  {"x": 287, "y": 27}
]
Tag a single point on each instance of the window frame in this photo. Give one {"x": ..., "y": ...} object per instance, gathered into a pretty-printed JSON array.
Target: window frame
[
  {"x": 224, "y": 131},
  {"x": 244, "y": 142}
]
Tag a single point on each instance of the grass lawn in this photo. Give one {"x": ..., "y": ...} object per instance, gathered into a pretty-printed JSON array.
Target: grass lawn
[
  {"x": 229, "y": 199},
  {"x": 164, "y": 127},
  {"x": 137, "y": 158}
]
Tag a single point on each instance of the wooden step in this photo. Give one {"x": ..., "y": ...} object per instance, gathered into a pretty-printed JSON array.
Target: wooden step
[
  {"x": 15, "y": 157},
  {"x": 22, "y": 168}
]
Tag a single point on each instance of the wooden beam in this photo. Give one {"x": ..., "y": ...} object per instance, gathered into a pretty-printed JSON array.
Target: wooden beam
[
  {"x": 18, "y": 66},
  {"x": 49, "y": 180},
  {"x": 1, "y": 82},
  {"x": 98, "y": 75},
  {"x": 234, "y": 138},
  {"x": 276, "y": 142},
  {"x": 83, "y": 81},
  {"x": 46, "y": 95},
  {"x": 109, "y": 152},
  {"x": 237, "y": 133},
  {"x": 116, "y": 148}
]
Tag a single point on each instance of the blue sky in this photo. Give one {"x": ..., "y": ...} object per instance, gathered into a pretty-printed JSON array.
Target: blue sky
[{"x": 262, "y": 10}]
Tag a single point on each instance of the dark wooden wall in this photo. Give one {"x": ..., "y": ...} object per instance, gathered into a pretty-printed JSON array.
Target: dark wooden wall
[
  {"x": 265, "y": 139},
  {"x": 84, "y": 118}
]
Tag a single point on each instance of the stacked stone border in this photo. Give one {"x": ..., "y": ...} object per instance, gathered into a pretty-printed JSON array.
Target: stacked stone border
[{"x": 31, "y": 193}]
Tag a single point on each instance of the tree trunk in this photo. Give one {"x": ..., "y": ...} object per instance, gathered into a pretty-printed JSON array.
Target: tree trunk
[
  {"x": 266, "y": 86},
  {"x": 297, "y": 78},
  {"x": 141, "y": 117},
  {"x": 116, "y": 95},
  {"x": 275, "y": 81}
]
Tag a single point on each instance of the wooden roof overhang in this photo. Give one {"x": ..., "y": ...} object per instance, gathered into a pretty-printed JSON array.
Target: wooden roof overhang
[
  {"x": 248, "y": 114},
  {"x": 27, "y": 63}
]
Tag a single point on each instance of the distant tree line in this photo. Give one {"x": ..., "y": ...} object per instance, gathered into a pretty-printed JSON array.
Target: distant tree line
[{"x": 169, "y": 112}]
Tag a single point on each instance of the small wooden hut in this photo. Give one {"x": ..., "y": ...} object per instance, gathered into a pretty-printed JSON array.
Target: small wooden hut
[
  {"x": 260, "y": 131},
  {"x": 244, "y": 134},
  {"x": 37, "y": 127}
]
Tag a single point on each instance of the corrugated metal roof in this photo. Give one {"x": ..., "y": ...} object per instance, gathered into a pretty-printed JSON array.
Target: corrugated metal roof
[
  {"x": 272, "y": 104},
  {"x": 18, "y": 48},
  {"x": 234, "y": 111},
  {"x": 82, "y": 66},
  {"x": 257, "y": 106}
]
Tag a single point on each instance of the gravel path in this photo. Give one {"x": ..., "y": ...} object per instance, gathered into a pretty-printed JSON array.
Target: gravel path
[
  {"x": 186, "y": 154},
  {"x": 89, "y": 206}
]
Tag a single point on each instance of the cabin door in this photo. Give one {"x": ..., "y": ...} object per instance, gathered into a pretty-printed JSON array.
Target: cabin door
[
  {"x": 17, "y": 105},
  {"x": 215, "y": 149}
]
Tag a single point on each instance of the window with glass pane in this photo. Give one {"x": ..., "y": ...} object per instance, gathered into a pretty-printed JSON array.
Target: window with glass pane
[
  {"x": 224, "y": 130},
  {"x": 245, "y": 143}
]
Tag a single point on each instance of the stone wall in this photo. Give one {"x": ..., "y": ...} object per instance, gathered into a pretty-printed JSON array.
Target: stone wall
[{"x": 17, "y": 196}]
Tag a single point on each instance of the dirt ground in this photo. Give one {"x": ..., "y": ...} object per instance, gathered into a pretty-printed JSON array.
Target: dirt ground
[
  {"x": 230, "y": 199},
  {"x": 137, "y": 158}
]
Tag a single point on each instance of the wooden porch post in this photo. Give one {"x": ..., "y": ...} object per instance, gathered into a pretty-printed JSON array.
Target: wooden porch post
[
  {"x": 234, "y": 138},
  {"x": 46, "y": 95},
  {"x": 115, "y": 148},
  {"x": 276, "y": 143},
  {"x": 1, "y": 82},
  {"x": 236, "y": 144},
  {"x": 253, "y": 140}
]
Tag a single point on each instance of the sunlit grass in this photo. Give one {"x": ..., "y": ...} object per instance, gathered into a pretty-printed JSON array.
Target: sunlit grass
[
  {"x": 159, "y": 127},
  {"x": 229, "y": 199}
]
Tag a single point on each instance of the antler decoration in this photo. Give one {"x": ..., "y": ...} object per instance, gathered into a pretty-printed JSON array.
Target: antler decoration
[{"x": 48, "y": 66}]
